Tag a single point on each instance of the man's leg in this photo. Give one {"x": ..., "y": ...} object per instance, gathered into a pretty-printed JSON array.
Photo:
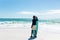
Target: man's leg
[{"x": 31, "y": 33}]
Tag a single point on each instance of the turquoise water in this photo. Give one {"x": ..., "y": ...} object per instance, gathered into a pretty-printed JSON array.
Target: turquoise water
[
  {"x": 15, "y": 19},
  {"x": 27, "y": 20}
]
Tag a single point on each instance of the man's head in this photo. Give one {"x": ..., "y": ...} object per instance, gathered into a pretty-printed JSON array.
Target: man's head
[{"x": 34, "y": 17}]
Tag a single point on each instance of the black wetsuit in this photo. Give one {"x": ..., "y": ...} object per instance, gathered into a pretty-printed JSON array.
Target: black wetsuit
[{"x": 34, "y": 21}]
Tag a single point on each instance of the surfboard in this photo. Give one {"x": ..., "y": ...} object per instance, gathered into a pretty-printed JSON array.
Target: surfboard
[{"x": 37, "y": 26}]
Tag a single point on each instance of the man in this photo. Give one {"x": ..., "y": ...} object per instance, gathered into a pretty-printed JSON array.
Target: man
[{"x": 34, "y": 27}]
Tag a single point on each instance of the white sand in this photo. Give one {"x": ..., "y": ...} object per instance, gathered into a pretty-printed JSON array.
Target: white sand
[{"x": 19, "y": 32}]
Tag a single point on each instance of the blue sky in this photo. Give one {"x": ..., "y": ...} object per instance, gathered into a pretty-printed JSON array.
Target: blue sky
[{"x": 27, "y": 8}]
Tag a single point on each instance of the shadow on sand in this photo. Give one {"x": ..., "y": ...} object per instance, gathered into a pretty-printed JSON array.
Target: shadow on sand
[{"x": 31, "y": 38}]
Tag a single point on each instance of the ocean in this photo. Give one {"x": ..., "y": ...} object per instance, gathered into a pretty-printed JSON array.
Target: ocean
[{"x": 26, "y": 20}]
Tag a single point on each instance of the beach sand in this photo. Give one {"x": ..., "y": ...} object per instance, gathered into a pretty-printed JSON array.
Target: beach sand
[{"x": 45, "y": 32}]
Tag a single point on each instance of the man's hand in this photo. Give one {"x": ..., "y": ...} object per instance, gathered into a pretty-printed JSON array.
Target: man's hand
[{"x": 31, "y": 26}]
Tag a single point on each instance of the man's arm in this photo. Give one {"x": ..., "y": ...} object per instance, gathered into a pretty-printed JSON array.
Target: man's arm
[{"x": 31, "y": 26}]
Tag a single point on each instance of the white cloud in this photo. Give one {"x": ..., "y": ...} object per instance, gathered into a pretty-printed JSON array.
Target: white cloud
[
  {"x": 42, "y": 14},
  {"x": 53, "y": 12},
  {"x": 26, "y": 13}
]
